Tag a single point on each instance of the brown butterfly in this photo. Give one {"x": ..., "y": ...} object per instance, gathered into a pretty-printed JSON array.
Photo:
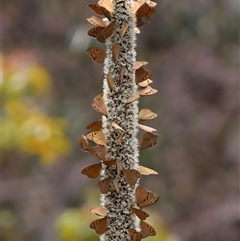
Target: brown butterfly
[
  {"x": 96, "y": 8},
  {"x": 146, "y": 171},
  {"x": 146, "y": 128},
  {"x": 134, "y": 235},
  {"x": 143, "y": 21},
  {"x": 133, "y": 98},
  {"x": 107, "y": 14},
  {"x": 119, "y": 128},
  {"x": 107, "y": 31},
  {"x": 121, "y": 74},
  {"x": 115, "y": 51},
  {"x": 107, "y": 4},
  {"x": 151, "y": 92},
  {"x": 147, "y": 230},
  {"x": 140, "y": 213},
  {"x": 119, "y": 166},
  {"x": 145, "y": 11},
  {"x": 97, "y": 21},
  {"x": 146, "y": 114},
  {"x": 123, "y": 29},
  {"x": 92, "y": 171},
  {"x": 96, "y": 32},
  {"x": 147, "y": 91},
  {"x": 100, "y": 152},
  {"x": 99, "y": 225},
  {"x": 115, "y": 184},
  {"x": 104, "y": 185},
  {"x": 83, "y": 142},
  {"x": 131, "y": 176},
  {"x": 148, "y": 139},
  {"x": 97, "y": 54},
  {"x": 142, "y": 74},
  {"x": 150, "y": 199},
  {"x": 139, "y": 64},
  {"x": 97, "y": 136},
  {"x": 140, "y": 194},
  {"x": 98, "y": 97},
  {"x": 100, "y": 107},
  {"x": 109, "y": 162},
  {"x": 110, "y": 81},
  {"x": 136, "y": 5},
  {"x": 100, "y": 10},
  {"x": 95, "y": 126},
  {"x": 145, "y": 198},
  {"x": 145, "y": 83},
  {"x": 100, "y": 211}
]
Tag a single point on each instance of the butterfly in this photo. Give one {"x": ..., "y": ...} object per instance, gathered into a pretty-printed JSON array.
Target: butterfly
[
  {"x": 97, "y": 136},
  {"x": 147, "y": 230},
  {"x": 134, "y": 235},
  {"x": 100, "y": 10},
  {"x": 146, "y": 128},
  {"x": 100, "y": 211},
  {"x": 97, "y": 21},
  {"x": 123, "y": 29},
  {"x": 142, "y": 21},
  {"x": 147, "y": 91},
  {"x": 99, "y": 225},
  {"x": 96, "y": 32},
  {"x": 145, "y": 11},
  {"x": 146, "y": 114},
  {"x": 108, "y": 30},
  {"x": 107, "y": 4},
  {"x": 98, "y": 97},
  {"x": 115, "y": 51},
  {"x": 96, "y": 8},
  {"x": 139, "y": 64},
  {"x": 140, "y": 213},
  {"x": 146, "y": 171},
  {"x": 92, "y": 171},
  {"x": 83, "y": 142},
  {"x": 110, "y": 81},
  {"x": 145, "y": 83},
  {"x": 131, "y": 176},
  {"x": 100, "y": 107},
  {"x": 104, "y": 185},
  {"x": 109, "y": 162},
  {"x": 133, "y": 98},
  {"x": 145, "y": 198},
  {"x": 141, "y": 74},
  {"x": 95, "y": 126},
  {"x": 148, "y": 139},
  {"x": 121, "y": 74},
  {"x": 97, "y": 54},
  {"x": 115, "y": 185},
  {"x": 120, "y": 129},
  {"x": 100, "y": 152}
]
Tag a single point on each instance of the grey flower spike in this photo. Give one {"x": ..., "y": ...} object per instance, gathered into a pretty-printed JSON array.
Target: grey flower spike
[{"x": 116, "y": 134}]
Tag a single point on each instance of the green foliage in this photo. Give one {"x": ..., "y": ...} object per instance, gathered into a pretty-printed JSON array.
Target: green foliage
[
  {"x": 73, "y": 225},
  {"x": 26, "y": 125}
]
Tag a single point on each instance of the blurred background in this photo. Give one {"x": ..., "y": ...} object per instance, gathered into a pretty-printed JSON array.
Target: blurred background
[{"x": 47, "y": 90}]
